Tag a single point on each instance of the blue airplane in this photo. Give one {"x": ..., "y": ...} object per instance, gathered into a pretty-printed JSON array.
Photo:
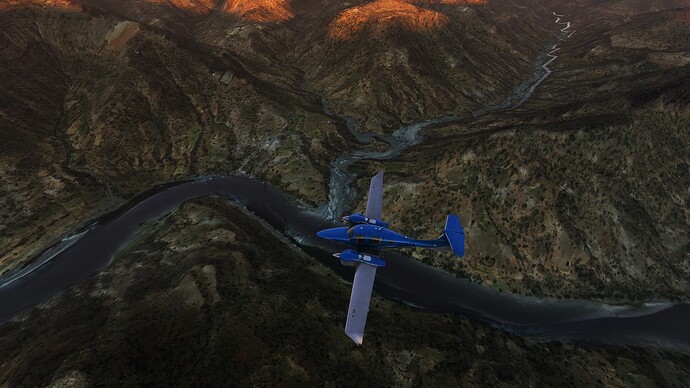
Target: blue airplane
[{"x": 368, "y": 236}]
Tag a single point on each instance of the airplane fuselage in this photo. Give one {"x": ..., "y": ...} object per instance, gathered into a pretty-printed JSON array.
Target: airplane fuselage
[{"x": 365, "y": 236}]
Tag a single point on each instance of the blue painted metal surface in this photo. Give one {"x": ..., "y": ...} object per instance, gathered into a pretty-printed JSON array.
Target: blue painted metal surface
[
  {"x": 362, "y": 219},
  {"x": 364, "y": 236},
  {"x": 368, "y": 236},
  {"x": 351, "y": 256}
]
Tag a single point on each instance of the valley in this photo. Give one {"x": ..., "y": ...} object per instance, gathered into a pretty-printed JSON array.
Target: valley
[
  {"x": 209, "y": 295},
  {"x": 199, "y": 125},
  {"x": 558, "y": 131}
]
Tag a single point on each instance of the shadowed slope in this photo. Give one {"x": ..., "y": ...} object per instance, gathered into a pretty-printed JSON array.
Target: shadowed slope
[{"x": 97, "y": 102}]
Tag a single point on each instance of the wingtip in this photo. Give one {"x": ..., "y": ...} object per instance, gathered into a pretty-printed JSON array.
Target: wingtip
[{"x": 358, "y": 339}]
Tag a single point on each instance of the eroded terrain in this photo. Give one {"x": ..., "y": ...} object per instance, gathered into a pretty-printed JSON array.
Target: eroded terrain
[
  {"x": 209, "y": 296},
  {"x": 582, "y": 191},
  {"x": 97, "y": 109}
]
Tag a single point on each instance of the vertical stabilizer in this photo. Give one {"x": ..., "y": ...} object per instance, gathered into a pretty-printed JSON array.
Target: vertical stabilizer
[{"x": 455, "y": 234}]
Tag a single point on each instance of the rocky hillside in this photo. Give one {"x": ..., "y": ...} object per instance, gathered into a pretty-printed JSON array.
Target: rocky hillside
[
  {"x": 583, "y": 191},
  {"x": 105, "y": 98},
  {"x": 388, "y": 62},
  {"x": 383, "y": 61},
  {"x": 243, "y": 308},
  {"x": 262, "y": 11},
  {"x": 379, "y": 16},
  {"x": 96, "y": 107}
]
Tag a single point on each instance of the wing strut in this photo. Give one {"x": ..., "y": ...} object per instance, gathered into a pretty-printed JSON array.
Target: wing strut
[{"x": 359, "y": 302}]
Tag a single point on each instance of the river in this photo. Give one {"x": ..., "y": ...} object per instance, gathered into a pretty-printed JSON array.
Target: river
[{"x": 82, "y": 254}]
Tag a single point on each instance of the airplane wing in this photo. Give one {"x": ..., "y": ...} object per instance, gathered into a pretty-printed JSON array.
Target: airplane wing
[
  {"x": 375, "y": 200},
  {"x": 359, "y": 301},
  {"x": 365, "y": 274}
]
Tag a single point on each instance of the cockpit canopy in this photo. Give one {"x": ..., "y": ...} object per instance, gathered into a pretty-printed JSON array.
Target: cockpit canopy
[{"x": 365, "y": 234}]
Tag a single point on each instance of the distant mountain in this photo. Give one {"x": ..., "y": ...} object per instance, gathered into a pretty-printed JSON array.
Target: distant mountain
[
  {"x": 388, "y": 62},
  {"x": 383, "y": 61},
  {"x": 568, "y": 163},
  {"x": 259, "y": 10},
  {"x": 104, "y": 98},
  {"x": 378, "y": 16},
  {"x": 582, "y": 190}
]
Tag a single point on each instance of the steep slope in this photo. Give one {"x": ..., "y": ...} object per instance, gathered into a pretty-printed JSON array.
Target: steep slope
[
  {"x": 381, "y": 15},
  {"x": 388, "y": 62},
  {"x": 391, "y": 61},
  {"x": 98, "y": 107},
  {"x": 243, "y": 308},
  {"x": 383, "y": 62},
  {"x": 583, "y": 191},
  {"x": 60, "y": 4},
  {"x": 189, "y": 6}
]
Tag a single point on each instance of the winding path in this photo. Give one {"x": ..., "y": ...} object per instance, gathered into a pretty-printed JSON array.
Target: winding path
[
  {"x": 341, "y": 195},
  {"x": 524, "y": 91}
]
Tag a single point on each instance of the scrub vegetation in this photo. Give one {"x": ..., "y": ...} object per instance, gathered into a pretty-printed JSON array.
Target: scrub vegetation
[
  {"x": 584, "y": 190},
  {"x": 208, "y": 296}
]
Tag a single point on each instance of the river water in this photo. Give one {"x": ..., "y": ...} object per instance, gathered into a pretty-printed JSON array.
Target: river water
[{"x": 83, "y": 254}]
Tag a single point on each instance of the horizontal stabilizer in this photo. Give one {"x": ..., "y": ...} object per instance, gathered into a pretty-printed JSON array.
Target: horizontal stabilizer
[{"x": 455, "y": 234}]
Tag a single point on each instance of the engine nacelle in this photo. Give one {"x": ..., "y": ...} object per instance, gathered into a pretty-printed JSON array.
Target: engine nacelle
[
  {"x": 358, "y": 218},
  {"x": 349, "y": 257}
]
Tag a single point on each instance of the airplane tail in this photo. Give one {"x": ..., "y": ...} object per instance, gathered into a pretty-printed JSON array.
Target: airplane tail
[{"x": 455, "y": 234}]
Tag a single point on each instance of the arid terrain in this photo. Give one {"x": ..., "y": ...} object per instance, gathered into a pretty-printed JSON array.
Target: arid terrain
[
  {"x": 581, "y": 191},
  {"x": 585, "y": 189},
  {"x": 208, "y": 296},
  {"x": 97, "y": 108},
  {"x": 106, "y": 98},
  {"x": 571, "y": 183},
  {"x": 561, "y": 195}
]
